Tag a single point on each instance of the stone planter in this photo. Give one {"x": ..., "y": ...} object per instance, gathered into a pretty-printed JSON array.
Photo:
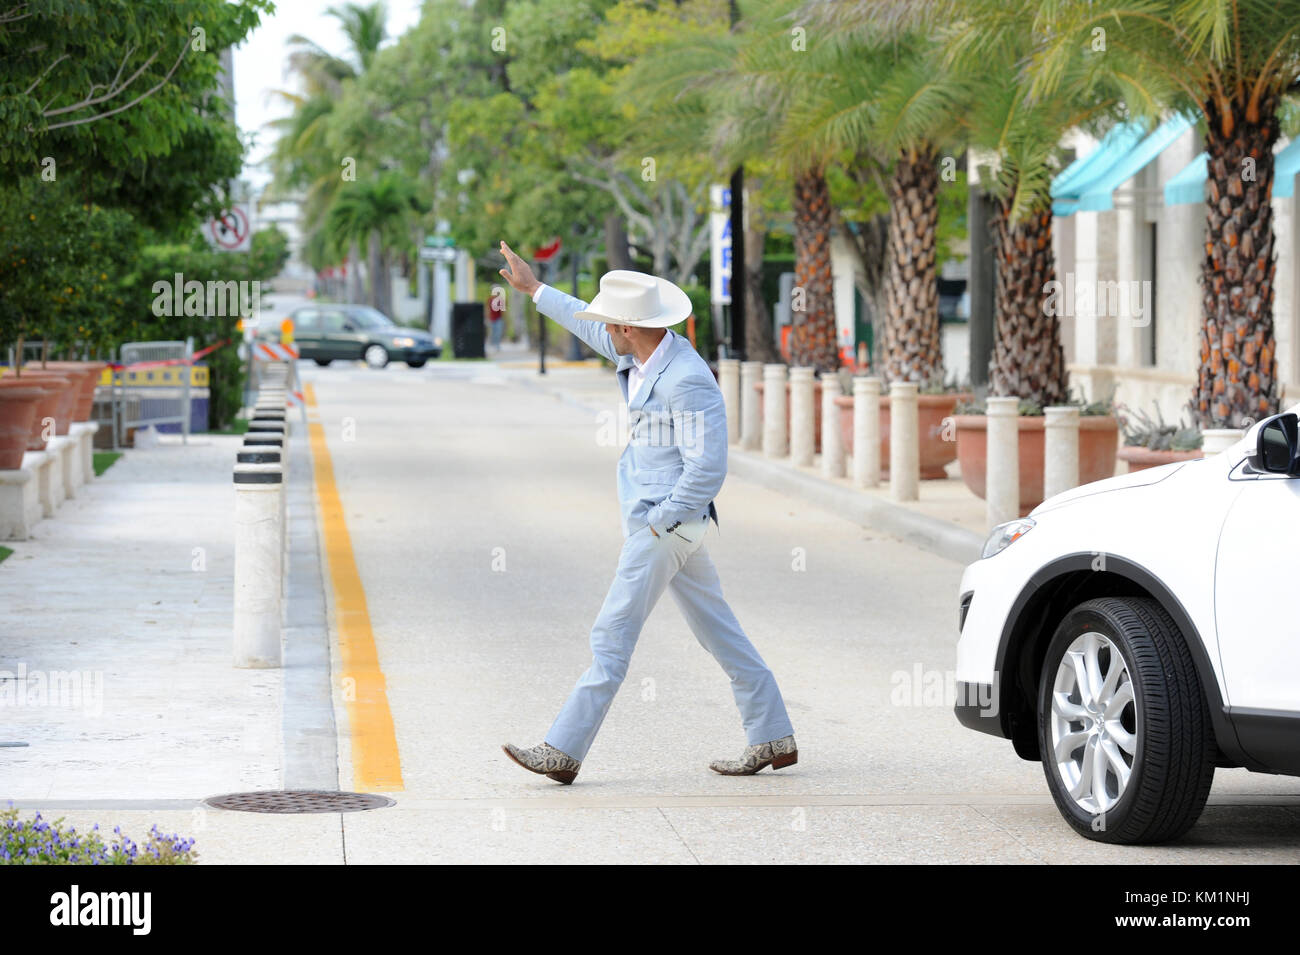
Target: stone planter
[
  {"x": 1098, "y": 444},
  {"x": 817, "y": 411},
  {"x": 1139, "y": 458},
  {"x": 936, "y": 453},
  {"x": 68, "y": 388},
  {"x": 18, "y": 400},
  {"x": 88, "y": 374}
]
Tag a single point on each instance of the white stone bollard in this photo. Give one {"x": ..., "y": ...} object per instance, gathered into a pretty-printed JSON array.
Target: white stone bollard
[
  {"x": 832, "y": 446},
  {"x": 1217, "y": 440},
  {"x": 751, "y": 428},
  {"x": 729, "y": 382},
  {"x": 1060, "y": 449},
  {"x": 88, "y": 448},
  {"x": 20, "y": 500},
  {"x": 66, "y": 449},
  {"x": 259, "y": 564},
  {"x": 866, "y": 431},
  {"x": 49, "y": 478},
  {"x": 904, "y": 441},
  {"x": 775, "y": 442},
  {"x": 803, "y": 439},
  {"x": 1002, "y": 461}
]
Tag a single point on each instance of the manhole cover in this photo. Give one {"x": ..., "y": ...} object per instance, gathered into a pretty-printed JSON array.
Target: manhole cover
[{"x": 299, "y": 800}]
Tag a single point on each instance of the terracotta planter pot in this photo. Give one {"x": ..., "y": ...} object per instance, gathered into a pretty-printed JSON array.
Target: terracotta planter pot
[
  {"x": 931, "y": 410},
  {"x": 1098, "y": 443},
  {"x": 18, "y": 399},
  {"x": 66, "y": 387},
  {"x": 817, "y": 411},
  {"x": 1139, "y": 458},
  {"x": 88, "y": 373}
]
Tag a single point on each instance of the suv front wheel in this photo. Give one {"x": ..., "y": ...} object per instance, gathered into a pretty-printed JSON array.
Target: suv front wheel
[
  {"x": 1123, "y": 727},
  {"x": 376, "y": 356}
]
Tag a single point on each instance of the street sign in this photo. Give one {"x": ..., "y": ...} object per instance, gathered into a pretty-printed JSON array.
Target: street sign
[
  {"x": 437, "y": 254},
  {"x": 720, "y": 244},
  {"x": 547, "y": 252},
  {"x": 231, "y": 230}
]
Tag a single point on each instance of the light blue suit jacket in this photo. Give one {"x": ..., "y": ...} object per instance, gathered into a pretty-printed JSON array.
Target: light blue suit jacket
[{"x": 676, "y": 457}]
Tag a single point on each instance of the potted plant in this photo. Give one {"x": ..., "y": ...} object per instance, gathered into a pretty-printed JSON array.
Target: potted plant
[
  {"x": 1098, "y": 440},
  {"x": 1150, "y": 443},
  {"x": 936, "y": 401}
]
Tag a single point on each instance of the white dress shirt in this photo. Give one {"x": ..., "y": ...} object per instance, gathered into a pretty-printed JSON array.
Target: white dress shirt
[{"x": 639, "y": 371}]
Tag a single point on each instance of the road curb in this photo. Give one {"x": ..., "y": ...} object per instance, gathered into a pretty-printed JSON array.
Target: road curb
[{"x": 920, "y": 530}]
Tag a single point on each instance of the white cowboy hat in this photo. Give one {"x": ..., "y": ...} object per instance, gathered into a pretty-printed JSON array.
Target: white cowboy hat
[{"x": 635, "y": 298}]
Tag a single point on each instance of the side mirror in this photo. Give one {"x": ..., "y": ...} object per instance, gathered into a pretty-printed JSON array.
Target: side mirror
[{"x": 1277, "y": 448}]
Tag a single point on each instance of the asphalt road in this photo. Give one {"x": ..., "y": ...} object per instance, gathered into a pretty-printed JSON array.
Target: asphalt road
[{"x": 481, "y": 509}]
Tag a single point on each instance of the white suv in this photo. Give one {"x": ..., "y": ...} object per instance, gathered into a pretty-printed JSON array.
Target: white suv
[{"x": 1134, "y": 633}]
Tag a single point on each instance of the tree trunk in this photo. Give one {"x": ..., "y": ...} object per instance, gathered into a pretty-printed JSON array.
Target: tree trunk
[
  {"x": 871, "y": 242},
  {"x": 354, "y": 272},
  {"x": 813, "y": 338},
  {"x": 616, "y": 256},
  {"x": 375, "y": 266},
  {"x": 1237, "y": 381},
  {"x": 1028, "y": 360},
  {"x": 760, "y": 343},
  {"x": 912, "y": 346}
]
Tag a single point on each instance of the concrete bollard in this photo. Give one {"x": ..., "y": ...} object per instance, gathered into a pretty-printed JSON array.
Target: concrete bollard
[
  {"x": 866, "y": 431},
  {"x": 729, "y": 382},
  {"x": 775, "y": 441},
  {"x": 832, "y": 446},
  {"x": 904, "y": 442},
  {"x": 1060, "y": 449},
  {"x": 259, "y": 564},
  {"x": 1217, "y": 440},
  {"x": 803, "y": 439},
  {"x": 751, "y": 427},
  {"x": 1002, "y": 457},
  {"x": 87, "y": 436}
]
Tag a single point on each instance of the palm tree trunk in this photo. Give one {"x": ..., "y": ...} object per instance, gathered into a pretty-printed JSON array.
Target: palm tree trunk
[
  {"x": 760, "y": 343},
  {"x": 354, "y": 272},
  {"x": 912, "y": 346},
  {"x": 1237, "y": 381},
  {"x": 375, "y": 266},
  {"x": 813, "y": 338},
  {"x": 1028, "y": 360}
]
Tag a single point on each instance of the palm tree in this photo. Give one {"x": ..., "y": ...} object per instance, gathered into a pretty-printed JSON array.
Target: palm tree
[
  {"x": 378, "y": 211},
  {"x": 302, "y": 158},
  {"x": 1231, "y": 64}
]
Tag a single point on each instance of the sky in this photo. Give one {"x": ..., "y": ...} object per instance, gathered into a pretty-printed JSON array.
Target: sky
[{"x": 260, "y": 64}]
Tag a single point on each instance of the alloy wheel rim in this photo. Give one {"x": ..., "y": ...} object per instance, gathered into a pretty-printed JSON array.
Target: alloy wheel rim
[
  {"x": 375, "y": 356},
  {"x": 1094, "y": 723}
]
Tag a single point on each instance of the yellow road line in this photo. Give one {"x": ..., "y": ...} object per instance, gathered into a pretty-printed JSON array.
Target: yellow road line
[{"x": 376, "y": 765}]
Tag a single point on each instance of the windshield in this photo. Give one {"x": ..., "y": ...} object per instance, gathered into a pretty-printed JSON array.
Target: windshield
[{"x": 367, "y": 317}]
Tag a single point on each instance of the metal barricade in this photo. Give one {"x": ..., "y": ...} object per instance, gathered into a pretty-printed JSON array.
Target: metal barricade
[{"x": 156, "y": 394}]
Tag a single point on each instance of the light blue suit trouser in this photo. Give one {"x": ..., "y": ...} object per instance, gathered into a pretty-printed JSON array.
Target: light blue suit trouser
[{"x": 679, "y": 562}]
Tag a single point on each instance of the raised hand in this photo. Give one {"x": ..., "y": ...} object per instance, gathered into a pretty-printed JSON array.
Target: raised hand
[{"x": 520, "y": 276}]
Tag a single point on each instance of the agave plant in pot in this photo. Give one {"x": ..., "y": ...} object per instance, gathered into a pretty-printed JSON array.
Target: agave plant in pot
[
  {"x": 1149, "y": 442},
  {"x": 936, "y": 400}
]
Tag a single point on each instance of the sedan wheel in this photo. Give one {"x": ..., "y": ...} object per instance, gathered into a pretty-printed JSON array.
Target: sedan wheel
[
  {"x": 376, "y": 356},
  {"x": 1123, "y": 726}
]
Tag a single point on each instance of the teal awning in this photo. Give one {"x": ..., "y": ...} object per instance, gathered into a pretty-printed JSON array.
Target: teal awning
[
  {"x": 1088, "y": 184},
  {"x": 1189, "y": 185}
]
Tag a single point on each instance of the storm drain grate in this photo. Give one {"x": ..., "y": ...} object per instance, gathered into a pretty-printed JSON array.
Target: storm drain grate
[{"x": 298, "y": 800}]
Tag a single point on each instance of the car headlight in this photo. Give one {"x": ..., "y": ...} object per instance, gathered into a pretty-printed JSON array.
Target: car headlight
[
  {"x": 1004, "y": 534},
  {"x": 404, "y": 342}
]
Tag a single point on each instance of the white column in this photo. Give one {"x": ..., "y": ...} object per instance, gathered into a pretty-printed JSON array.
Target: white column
[
  {"x": 1002, "y": 457},
  {"x": 88, "y": 448},
  {"x": 866, "y": 431},
  {"x": 729, "y": 382},
  {"x": 20, "y": 502},
  {"x": 751, "y": 427},
  {"x": 1060, "y": 449},
  {"x": 803, "y": 439},
  {"x": 904, "y": 441},
  {"x": 258, "y": 565},
  {"x": 775, "y": 443},
  {"x": 832, "y": 446}
]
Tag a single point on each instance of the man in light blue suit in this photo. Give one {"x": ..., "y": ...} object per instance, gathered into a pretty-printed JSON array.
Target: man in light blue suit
[{"x": 669, "y": 473}]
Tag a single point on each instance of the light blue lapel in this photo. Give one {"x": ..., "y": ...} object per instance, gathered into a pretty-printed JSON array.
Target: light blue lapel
[{"x": 625, "y": 365}]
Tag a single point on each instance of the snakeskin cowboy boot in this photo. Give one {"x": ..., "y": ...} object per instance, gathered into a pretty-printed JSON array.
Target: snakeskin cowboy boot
[
  {"x": 546, "y": 760},
  {"x": 778, "y": 753}
]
